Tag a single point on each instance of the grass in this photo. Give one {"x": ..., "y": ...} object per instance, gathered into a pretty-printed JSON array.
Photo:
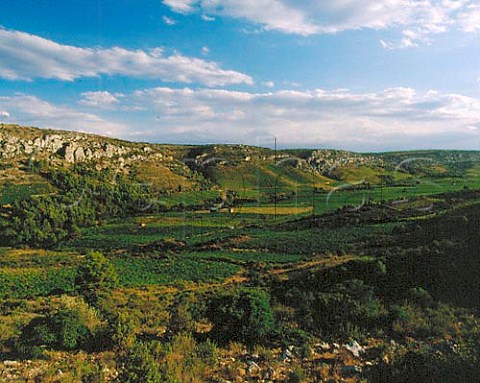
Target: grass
[
  {"x": 314, "y": 241},
  {"x": 135, "y": 272},
  {"x": 11, "y": 193},
  {"x": 328, "y": 201},
  {"x": 247, "y": 256},
  {"x": 29, "y": 273},
  {"x": 190, "y": 198},
  {"x": 29, "y": 282},
  {"x": 272, "y": 210},
  {"x": 189, "y": 226},
  {"x": 124, "y": 236}
]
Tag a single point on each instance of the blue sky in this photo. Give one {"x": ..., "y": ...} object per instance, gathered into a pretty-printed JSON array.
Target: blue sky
[{"x": 362, "y": 75}]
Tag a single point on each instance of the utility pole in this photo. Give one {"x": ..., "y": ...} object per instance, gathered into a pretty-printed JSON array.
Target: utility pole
[
  {"x": 275, "y": 197},
  {"x": 275, "y": 150}
]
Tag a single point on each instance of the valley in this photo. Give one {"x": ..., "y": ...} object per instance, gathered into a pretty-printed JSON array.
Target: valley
[{"x": 127, "y": 262}]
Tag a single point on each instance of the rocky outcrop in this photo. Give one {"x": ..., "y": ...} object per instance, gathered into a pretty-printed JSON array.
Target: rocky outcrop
[
  {"x": 71, "y": 147},
  {"x": 325, "y": 161}
]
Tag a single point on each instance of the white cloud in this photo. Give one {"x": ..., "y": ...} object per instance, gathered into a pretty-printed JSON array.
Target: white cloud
[
  {"x": 182, "y": 6},
  {"x": 31, "y": 110},
  {"x": 396, "y": 118},
  {"x": 168, "y": 20},
  {"x": 205, "y": 50},
  {"x": 4, "y": 114},
  {"x": 102, "y": 100},
  {"x": 423, "y": 18},
  {"x": 208, "y": 18},
  {"x": 469, "y": 18},
  {"x": 26, "y": 56},
  {"x": 269, "y": 84}
]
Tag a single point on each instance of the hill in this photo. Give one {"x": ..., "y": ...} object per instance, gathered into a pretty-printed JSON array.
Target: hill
[
  {"x": 229, "y": 167},
  {"x": 127, "y": 262}
]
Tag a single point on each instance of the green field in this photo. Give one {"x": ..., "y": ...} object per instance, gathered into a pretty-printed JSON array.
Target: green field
[{"x": 14, "y": 192}]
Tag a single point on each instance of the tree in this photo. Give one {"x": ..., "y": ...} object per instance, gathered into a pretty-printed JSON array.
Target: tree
[
  {"x": 62, "y": 330},
  {"x": 95, "y": 276},
  {"x": 139, "y": 366},
  {"x": 242, "y": 315}
]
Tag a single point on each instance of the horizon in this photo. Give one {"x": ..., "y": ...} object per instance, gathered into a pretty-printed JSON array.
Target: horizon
[
  {"x": 371, "y": 77},
  {"x": 271, "y": 147}
]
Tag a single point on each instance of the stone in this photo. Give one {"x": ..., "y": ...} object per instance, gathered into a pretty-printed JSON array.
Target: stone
[
  {"x": 79, "y": 154},
  {"x": 354, "y": 348},
  {"x": 323, "y": 346},
  {"x": 287, "y": 354},
  {"x": 253, "y": 369}
]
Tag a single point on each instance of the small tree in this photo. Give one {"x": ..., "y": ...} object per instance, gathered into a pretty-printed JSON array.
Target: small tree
[
  {"x": 63, "y": 330},
  {"x": 139, "y": 366},
  {"x": 242, "y": 315},
  {"x": 95, "y": 275},
  {"x": 181, "y": 318}
]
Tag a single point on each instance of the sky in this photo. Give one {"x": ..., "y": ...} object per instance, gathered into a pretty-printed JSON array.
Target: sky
[{"x": 362, "y": 75}]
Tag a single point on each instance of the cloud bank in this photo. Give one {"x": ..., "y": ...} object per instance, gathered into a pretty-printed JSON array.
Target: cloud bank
[
  {"x": 397, "y": 118},
  {"x": 33, "y": 111},
  {"x": 418, "y": 19},
  {"x": 27, "y": 57}
]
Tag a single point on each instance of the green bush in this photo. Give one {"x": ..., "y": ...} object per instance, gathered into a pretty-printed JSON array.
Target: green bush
[
  {"x": 63, "y": 330},
  {"x": 73, "y": 326},
  {"x": 344, "y": 310},
  {"x": 297, "y": 375},
  {"x": 139, "y": 366},
  {"x": 95, "y": 275},
  {"x": 208, "y": 352},
  {"x": 120, "y": 334},
  {"x": 242, "y": 315}
]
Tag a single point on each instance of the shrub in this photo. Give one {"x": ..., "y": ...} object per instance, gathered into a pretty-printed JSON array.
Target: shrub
[
  {"x": 95, "y": 275},
  {"x": 181, "y": 319},
  {"x": 297, "y": 375},
  {"x": 73, "y": 326},
  {"x": 423, "y": 366},
  {"x": 185, "y": 361},
  {"x": 241, "y": 315},
  {"x": 419, "y": 297},
  {"x": 63, "y": 330},
  {"x": 121, "y": 333},
  {"x": 139, "y": 366},
  {"x": 208, "y": 352}
]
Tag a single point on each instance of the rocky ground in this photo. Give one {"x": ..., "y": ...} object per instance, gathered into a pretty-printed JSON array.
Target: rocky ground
[{"x": 322, "y": 362}]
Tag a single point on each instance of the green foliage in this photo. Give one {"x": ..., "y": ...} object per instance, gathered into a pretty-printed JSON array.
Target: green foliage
[
  {"x": 208, "y": 352},
  {"x": 121, "y": 332},
  {"x": 333, "y": 303},
  {"x": 85, "y": 198},
  {"x": 181, "y": 318},
  {"x": 425, "y": 366},
  {"x": 416, "y": 321},
  {"x": 28, "y": 282},
  {"x": 95, "y": 275},
  {"x": 307, "y": 240},
  {"x": 63, "y": 330},
  {"x": 150, "y": 271},
  {"x": 183, "y": 360},
  {"x": 241, "y": 315},
  {"x": 11, "y": 193},
  {"x": 38, "y": 222},
  {"x": 297, "y": 375},
  {"x": 139, "y": 366}
]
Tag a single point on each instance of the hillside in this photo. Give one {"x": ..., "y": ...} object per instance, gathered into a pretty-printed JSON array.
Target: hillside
[
  {"x": 126, "y": 262},
  {"x": 229, "y": 167}
]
